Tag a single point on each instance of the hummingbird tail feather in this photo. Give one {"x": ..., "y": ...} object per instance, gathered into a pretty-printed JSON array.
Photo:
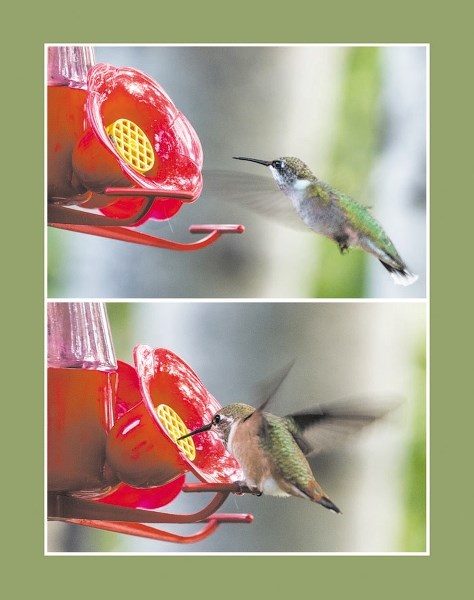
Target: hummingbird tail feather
[
  {"x": 327, "y": 503},
  {"x": 314, "y": 492},
  {"x": 400, "y": 275},
  {"x": 390, "y": 260}
]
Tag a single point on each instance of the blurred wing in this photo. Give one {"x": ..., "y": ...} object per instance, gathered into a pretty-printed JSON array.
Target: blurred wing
[
  {"x": 269, "y": 387},
  {"x": 258, "y": 193},
  {"x": 326, "y": 426}
]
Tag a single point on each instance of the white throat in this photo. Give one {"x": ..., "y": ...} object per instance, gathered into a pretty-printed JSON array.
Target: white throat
[
  {"x": 230, "y": 439},
  {"x": 301, "y": 184}
]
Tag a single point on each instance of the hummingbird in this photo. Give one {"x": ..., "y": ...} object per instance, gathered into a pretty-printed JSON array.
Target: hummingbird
[
  {"x": 334, "y": 214},
  {"x": 271, "y": 450}
]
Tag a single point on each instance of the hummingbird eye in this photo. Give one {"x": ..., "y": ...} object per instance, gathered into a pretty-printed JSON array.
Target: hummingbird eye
[
  {"x": 277, "y": 164},
  {"x": 216, "y": 419}
]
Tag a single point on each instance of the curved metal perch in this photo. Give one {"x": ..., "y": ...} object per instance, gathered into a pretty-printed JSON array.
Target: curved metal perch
[
  {"x": 133, "y": 521},
  {"x": 70, "y": 507},
  {"x": 136, "y": 237},
  {"x": 60, "y": 214},
  {"x": 227, "y": 488},
  {"x": 81, "y": 221},
  {"x": 145, "y": 531}
]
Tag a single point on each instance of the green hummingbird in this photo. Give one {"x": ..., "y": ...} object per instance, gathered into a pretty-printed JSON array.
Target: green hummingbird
[
  {"x": 271, "y": 450},
  {"x": 334, "y": 214}
]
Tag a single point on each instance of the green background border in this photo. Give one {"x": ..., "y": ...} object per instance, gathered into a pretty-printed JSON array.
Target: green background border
[{"x": 449, "y": 33}]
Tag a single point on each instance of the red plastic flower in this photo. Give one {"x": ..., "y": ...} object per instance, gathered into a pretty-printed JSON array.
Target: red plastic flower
[
  {"x": 121, "y": 153},
  {"x": 132, "y": 136},
  {"x": 157, "y": 402}
]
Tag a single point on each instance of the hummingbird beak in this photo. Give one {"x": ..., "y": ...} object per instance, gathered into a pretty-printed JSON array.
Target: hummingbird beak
[
  {"x": 204, "y": 428},
  {"x": 267, "y": 163}
]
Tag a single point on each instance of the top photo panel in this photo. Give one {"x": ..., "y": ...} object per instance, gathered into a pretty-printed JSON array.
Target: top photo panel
[{"x": 267, "y": 171}]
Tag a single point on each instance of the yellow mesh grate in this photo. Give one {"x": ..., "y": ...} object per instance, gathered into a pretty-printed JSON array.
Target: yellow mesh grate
[
  {"x": 132, "y": 144},
  {"x": 173, "y": 424}
]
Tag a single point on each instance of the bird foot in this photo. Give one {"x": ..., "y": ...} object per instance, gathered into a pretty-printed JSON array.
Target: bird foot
[
  {"x": 343, "y": 245},
  {"x": 244, "y": 488}
]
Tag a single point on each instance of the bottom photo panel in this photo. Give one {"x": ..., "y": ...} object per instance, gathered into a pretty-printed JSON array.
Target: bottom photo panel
[{"x": 182, "y": 427}]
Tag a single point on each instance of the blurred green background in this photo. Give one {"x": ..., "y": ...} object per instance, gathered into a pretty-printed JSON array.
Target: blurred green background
[
  {"x": 364, "y": 351},
  {"x": 356, "y": 115}
]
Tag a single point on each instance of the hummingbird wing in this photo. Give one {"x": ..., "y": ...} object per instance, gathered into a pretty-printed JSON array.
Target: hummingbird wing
[
  {"x": 327, "y": 426},
  {"x": 255, "y": 192},
  {"x": 269, "y": 387}
]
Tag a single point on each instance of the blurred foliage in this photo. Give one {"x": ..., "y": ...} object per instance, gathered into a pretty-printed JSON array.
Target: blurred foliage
[
  {"x": 352, "y": 156},
  {"x": 414, "y": 529},
  {"x": 121, "y": 326}
]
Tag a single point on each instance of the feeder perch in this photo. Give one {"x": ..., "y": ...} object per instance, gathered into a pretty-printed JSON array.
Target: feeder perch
[
  {"x": 119, "y": 152},
  {"x": 114, "y": 457}
]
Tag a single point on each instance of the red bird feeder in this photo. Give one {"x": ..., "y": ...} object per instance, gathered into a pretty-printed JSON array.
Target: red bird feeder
[
  {"x": 114, "y": 456},
  {"x": 119, "y": 151}
]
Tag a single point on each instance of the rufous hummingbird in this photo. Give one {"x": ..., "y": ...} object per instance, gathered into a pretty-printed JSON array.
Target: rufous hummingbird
[
  {"x": 272, "y": 450},
  {"x": 334, "y": 214}
]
